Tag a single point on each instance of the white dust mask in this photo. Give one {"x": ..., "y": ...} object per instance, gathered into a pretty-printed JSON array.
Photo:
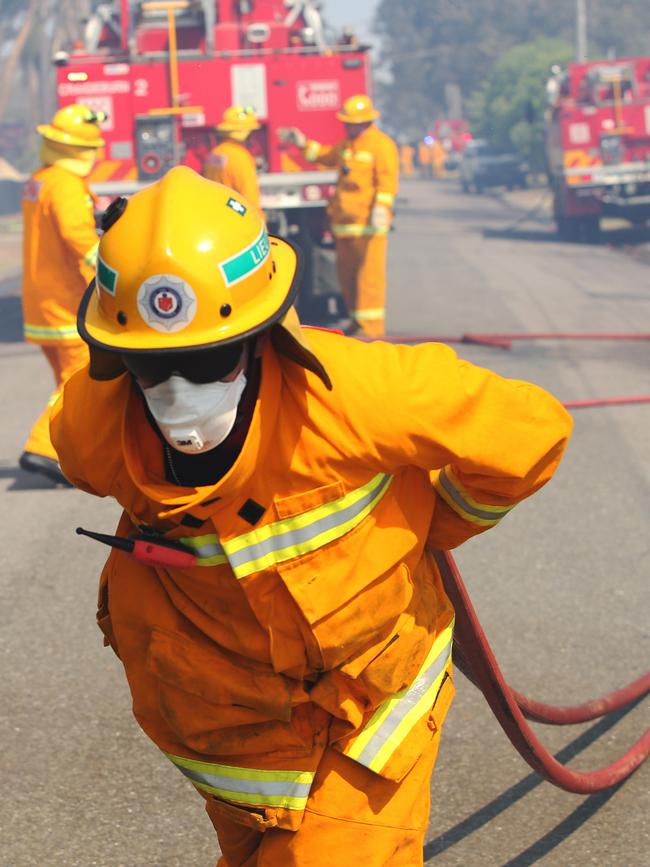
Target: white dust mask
[{"x": 195, "y": 417}]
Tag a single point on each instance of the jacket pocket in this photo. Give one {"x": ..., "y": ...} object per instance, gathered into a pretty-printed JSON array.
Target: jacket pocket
[
  {"x": 355, "y": 588},
  {"x": 220, "y": 706},
  {"x": 388, "y": 750}
]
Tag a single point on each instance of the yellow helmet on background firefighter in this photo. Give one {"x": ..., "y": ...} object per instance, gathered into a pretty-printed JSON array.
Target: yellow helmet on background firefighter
[
  {"x": 358, "y": 109},
  {"x": 76, "y": 125},
  {"x": 186, "y": 264},
  {"x": 238, "y": 122}
]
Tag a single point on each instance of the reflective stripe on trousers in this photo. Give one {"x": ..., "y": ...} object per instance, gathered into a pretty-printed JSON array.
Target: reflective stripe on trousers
[
  {"x": 250, "y": 786},
  {"x": 291, "y": 537},
  {"x": 393, "y": 720},
  {"x": 356, "y": 230}
]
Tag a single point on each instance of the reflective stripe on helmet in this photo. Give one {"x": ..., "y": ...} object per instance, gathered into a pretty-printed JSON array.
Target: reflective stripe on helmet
[
  {"x": 291, "y": 537},
  {"x": 394, "y": 719},
  {"x": 244, "y": 263},
  {"x": 452, "y": 492},
  {"x": 252, "y": 786}
]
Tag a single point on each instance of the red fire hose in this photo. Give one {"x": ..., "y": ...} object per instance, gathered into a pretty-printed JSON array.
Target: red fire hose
[
  {"x": 475, "y": 658},
  {"x": 505, "y": 340}
]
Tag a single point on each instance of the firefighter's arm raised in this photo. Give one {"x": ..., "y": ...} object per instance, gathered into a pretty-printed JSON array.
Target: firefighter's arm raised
[
  {"x": 313, "y": 151},
  {"x": 72, "y": 208},
  {"x": 487, "y": 442},
  {"x": 243, "y": 178}
]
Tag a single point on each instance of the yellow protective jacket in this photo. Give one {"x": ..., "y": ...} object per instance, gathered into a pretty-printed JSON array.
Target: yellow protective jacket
[
  {"x": 315, "y": 614},
  {"x": 368, "y": 173},
  {"x": 232, "y": 164},
  {"x": 59, "y": 253}
]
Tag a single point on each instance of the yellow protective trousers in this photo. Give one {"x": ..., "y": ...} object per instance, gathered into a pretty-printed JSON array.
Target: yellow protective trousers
[
  {"x": 361, "y": 270},
  {"x": 353, "y": 817},
  {"x": 64, "y": 359}
]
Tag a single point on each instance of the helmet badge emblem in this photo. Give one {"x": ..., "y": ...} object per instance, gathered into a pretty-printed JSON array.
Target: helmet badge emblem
[{"x": 166, "y": 303}]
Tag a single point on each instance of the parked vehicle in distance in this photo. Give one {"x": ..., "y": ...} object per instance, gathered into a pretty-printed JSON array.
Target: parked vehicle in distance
[{"x": 483, "y": 166}]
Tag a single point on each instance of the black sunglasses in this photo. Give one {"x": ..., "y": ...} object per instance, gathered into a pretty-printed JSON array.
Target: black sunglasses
[{"x": 198, "y": 366}]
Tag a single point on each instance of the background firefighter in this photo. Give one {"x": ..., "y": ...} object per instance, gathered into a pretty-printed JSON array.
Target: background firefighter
[
  {"x": 297, "y": 667},
  {"x": 59, "y": 256},
  {"x": 361, "y": 210},
  {"x": 230, "y": 162}
]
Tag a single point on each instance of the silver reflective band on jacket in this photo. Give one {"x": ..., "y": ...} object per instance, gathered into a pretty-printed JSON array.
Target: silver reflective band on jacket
[
  {"x": 393, "y": 720},
  {"x": 291, "y": 537}
]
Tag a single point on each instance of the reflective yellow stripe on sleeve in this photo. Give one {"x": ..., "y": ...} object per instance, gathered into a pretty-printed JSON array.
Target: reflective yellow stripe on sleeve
[
  {"x": 362, "y": 157},
  {"x": 385, "y": 199},
  {"x": 394, "y": 719},
  {"x": 457, "y": 498},
  {"x": 312, "y": 151},
  {"x": 291, "y": 537},
  {"x": 250, "y": 786},
  {"x": 51, "y": 332}
]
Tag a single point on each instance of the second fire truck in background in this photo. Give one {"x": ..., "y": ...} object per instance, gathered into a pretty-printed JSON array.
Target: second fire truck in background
[{"x": 598, "y": 144}]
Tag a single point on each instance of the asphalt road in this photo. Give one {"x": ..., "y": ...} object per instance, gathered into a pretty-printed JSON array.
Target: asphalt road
[{"x": 561, "y": 587}]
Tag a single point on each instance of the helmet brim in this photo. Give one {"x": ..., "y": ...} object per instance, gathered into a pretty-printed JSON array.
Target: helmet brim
[
  {"x": 237, "y": 127},
  {"x": 56, "y": 135},
  {"x": 366, "y": 117},
  {"x": 278, "y": 299}
]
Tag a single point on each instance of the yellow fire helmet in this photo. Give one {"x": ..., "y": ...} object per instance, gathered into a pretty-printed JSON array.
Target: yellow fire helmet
[
  {"x": 238, "y": 119},
  {"x": 186, "y": 264},
  {"x": 358, "y": 109},
  {"x": 75, "y": 125}
]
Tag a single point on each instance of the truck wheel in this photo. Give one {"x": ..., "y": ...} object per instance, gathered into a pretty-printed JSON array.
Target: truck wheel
[
  {"x": 590, "y": 230},
  {"x": 566, "y": 227}
]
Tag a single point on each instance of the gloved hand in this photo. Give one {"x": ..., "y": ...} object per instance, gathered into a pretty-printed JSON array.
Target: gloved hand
[
  {"x": 292, "y": 135},
  {"x": 380, "y": 216}
]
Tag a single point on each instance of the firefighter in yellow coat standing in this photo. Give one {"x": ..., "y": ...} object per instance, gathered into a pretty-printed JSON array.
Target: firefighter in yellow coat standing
[
  {"x": 272, "y": 591},
  {"x": 59, "y": 256},
  {"x": 361, "y": 209},
  {"x": 230, "y": 162}
]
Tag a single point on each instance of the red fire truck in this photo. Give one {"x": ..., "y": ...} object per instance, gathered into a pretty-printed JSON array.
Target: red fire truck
[
  {"x": 598, "y": 144},
  {"x": 164, "y": 72}
]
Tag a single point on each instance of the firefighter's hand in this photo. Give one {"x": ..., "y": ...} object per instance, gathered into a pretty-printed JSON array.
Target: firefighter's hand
[
  {"x": 380, "y": 217},
  {"x": 292, "y": 135}
]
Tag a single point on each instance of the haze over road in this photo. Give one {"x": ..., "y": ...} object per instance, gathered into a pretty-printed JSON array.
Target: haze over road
[{"x": 561, "y": 586}]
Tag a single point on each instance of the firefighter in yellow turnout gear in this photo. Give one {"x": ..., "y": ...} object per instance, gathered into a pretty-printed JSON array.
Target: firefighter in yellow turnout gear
[
  {"x": 230, "y": 162},
  {"x": 59, "y": 257},
  {"x": 295, "y": 664},
  {"x": 362, "y": 207}
]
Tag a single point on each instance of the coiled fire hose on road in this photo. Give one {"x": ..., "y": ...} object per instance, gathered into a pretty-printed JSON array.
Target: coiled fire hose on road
[{"x": 475, "y": 658}]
